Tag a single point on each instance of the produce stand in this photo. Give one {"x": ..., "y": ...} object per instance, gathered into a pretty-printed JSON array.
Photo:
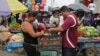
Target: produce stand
[
  {"x": 89, "y": 40},
  {"x": 85, "y": 43},
  {"x": 12, "y": 40},
  {"x": 50, "y": 44}
]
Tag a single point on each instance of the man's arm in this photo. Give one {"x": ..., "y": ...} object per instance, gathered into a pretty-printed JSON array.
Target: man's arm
[
  {"x": 67, "y": 24},
  {"x": 57, "y": 29}
]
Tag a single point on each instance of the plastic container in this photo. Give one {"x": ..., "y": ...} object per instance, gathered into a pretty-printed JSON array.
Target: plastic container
[{"x": 48, "y": 53}]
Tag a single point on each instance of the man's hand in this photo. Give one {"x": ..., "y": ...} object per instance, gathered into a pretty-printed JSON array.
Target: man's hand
[{"x": 50, "y": 30}]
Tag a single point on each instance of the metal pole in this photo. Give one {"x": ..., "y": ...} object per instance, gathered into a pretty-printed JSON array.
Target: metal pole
[{"x": 52, "y": 3}]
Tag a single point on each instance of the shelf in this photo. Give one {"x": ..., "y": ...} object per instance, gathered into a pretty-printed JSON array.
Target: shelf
[
  {"x": 87, "y": 40},
  {"x": 52, "y": 34},
  {"x": 15, "y": 31},
  {"x": 50, "y": 40}
]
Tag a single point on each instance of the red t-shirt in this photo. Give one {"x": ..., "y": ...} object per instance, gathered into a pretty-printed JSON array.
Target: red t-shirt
[{"x": 70, "y": 34}]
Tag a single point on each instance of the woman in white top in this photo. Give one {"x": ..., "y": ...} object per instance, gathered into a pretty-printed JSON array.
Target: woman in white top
[
  {"x": 56, "y": 18},
  {"x": 4, "y": 26}
]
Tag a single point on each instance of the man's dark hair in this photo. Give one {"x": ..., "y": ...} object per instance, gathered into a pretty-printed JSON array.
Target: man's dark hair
[
  {"x": 33, "y": 13},
  {"x": 64, "y": 8}
]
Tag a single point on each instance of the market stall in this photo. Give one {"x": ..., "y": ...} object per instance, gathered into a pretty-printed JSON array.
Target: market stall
[
  {"x": 11, "y": 41},
  {"x": 89, "y": 39},
  {"x": 50, "y": 43}
]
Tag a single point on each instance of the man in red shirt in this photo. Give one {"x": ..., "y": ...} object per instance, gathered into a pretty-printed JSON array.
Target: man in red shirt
[{"x": 68, "y": 32}]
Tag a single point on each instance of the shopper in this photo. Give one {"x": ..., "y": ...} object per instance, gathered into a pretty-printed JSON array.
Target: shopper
[
  {"x": 54, "y": 19},
  {"x": 68, "y": 32},
  {"x": 45, "y": 17},
  {"x": 97, "y": 22},
  {"x": 30, "y": 36},
  {"x": 20, "y": 20},
  {"x": 13, "y": 19},
  {"x": 4, "y": 26}
]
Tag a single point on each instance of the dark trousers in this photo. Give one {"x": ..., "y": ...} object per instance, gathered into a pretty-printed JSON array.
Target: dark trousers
[
  {"x": 30, "y": 50},
  {"x": 68, "y": 51}
]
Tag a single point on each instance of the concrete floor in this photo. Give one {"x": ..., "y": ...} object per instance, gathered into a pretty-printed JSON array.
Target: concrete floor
[{"x": 17, "y": 52}]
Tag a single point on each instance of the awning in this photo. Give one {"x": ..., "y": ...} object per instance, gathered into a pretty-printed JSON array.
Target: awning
[{"x": 14, "y": 6}]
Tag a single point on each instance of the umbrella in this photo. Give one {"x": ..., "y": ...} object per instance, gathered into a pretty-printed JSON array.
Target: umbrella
[
  {"x": 13, "y": 6},
  {"x": 53, "y": 8},
  {"x": 79, "y": 6},
  {"x": 4, "y": 8}
]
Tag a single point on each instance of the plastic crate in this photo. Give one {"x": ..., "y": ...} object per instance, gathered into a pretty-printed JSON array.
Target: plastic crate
[
  {"x": 48, "y": 53},
  {"x": 10, "y": 47},
  {"x": 15, "y": 45}
]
